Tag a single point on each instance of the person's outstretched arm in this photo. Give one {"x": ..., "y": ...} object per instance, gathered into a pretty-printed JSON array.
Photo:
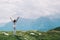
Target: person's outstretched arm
[{"x": 11, "y": 19}]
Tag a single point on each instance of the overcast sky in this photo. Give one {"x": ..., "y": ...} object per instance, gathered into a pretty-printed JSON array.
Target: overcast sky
[{"x": 28, "y": 9}]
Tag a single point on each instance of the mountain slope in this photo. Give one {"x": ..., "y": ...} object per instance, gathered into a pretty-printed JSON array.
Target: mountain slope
[{"x": 56, "y": 29}]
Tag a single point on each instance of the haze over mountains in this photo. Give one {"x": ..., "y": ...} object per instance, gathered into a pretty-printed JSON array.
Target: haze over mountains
[{"x": 41, "y": 24}]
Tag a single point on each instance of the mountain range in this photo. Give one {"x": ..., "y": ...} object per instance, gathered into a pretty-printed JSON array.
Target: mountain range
[{"x": 41, "y": 24}]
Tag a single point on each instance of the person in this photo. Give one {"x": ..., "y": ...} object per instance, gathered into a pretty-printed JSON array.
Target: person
[{"x": 14, "y": 24}]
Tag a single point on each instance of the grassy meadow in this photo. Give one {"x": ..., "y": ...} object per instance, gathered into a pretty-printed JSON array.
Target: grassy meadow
[{"x": 31, "y": 35}]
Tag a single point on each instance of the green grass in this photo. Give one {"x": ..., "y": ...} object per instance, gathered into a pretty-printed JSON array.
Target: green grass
[{"x": 27, "y": 35}]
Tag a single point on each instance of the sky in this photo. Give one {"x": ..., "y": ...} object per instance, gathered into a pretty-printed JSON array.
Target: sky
[{"x": 30, "y": 9}]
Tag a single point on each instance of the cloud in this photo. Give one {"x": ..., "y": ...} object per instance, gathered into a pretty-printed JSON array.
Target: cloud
[
  {"x": 28, "y": 8},
  {"x": 37, "y": 8}
]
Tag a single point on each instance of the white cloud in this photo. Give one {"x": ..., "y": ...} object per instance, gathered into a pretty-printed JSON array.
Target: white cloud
[
  {"x": 28, "y": 8},
  {"x": 38, "y": 8}
]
